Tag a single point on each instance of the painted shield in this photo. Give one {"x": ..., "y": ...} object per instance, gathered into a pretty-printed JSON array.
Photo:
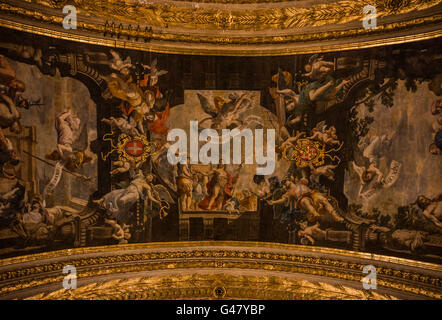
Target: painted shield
[
  {"x": 308, "y": 153},
  {"x": 134, "y": 148}
]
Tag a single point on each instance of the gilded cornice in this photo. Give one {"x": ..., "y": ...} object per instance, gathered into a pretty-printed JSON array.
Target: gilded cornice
[
  {"x": 221, "y": 17},
  {"x": 41, "y": 270},
  {"x": 216, "y": 27},
  {"x": 211, "y": 286}
]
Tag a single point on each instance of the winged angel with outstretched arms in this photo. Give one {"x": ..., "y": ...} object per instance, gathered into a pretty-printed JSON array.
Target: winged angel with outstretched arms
[{"x": 225, "y": 114}]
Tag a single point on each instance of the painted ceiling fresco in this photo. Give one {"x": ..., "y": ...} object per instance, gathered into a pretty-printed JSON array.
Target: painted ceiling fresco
[{"x": 339, "y": 150}]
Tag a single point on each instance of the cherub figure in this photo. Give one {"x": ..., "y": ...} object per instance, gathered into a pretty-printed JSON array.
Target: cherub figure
[
  {"x": 120, "y": 233},
  {"x": 120, "y": 65},
  {"x": 367, "y": 175},
  {"x": 154, "y": 73},
  {"x": 232, "y": 206},
  {"x": 288, "y": 141},
  {"x": 324, "y": 135},
  {"x": 317, "y": 68},
  {"x": 134, "y": 105},
  {"x": 309, "y": 234},
  {"x": 127, "y": 126},
  {"x": 374, "y": 147},
  {"x": 326, "y": 171},
  {"x": 124, "y": 166},
  {"x": 224, "y": 114},
  {"x": 291, "y": 141}
]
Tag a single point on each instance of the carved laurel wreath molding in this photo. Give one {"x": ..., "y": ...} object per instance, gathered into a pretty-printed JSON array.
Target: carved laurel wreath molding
[
  {"x": 195, "y": 17},
  {"x": 130, "y": 33},
  {"x": 19, "y": 275},
  {"x": 195, "y": 27},
  {"x": 211, "y": 286}
]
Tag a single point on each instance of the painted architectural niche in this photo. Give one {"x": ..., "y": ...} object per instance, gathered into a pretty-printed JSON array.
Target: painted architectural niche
[{"x": 84, "y": 148}]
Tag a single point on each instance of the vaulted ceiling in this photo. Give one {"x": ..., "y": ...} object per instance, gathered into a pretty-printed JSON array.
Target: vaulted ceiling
[{"x": 229, "y": 27}]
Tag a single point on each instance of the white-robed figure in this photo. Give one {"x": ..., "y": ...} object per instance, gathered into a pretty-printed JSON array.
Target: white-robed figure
[
  {"x": 118, "y": 203},
  {"x": 376, "y": 147}
]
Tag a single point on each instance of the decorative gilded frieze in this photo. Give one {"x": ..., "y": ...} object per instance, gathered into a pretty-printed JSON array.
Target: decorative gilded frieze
[
  {"x": 217, "y": 27},
  {"x": 270, "y": 18},
  {"x": 212, "y": 286},
  {"x": 260, "y": 258}
]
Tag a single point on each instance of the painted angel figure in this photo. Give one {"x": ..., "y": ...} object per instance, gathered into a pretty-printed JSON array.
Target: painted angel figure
[
  {"x": 122, "y": 166},
  {"x": 157, "y": 121},
  {"x": 374, "y": 147},
  {"x": 326, "y": 171},
  {"x": 118, "y": 203},
  {"x": 367, "y": 175},
  {"x": 154, "y": 73},
  {"x": 291, "y": 141},
  {"x": 317, "y": 67},
  {"x": 119, "y": 232},
  {"x": 227, "y": 114},
  {"x": 135, "y": 104},
  {"x": 127, "y": 126},
  {"x": 120, "y": 65},
  {"x": 325, "y": 135}
]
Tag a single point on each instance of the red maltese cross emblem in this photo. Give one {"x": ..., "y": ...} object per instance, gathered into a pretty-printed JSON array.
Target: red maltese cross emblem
[{"x": 134, "y": 148}]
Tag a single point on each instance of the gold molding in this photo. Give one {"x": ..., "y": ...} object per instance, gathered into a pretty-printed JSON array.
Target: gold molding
[
  {"x": 190, "y": 48},
  {"x": 227, "y": 244},
  {"x": 193, "y": 266},
  {"x": 267, "y": 17},
  {"x": 197, "y": 286},
  {"x": 228, "y": 255},
  {"x": 413, "y": 27}
]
